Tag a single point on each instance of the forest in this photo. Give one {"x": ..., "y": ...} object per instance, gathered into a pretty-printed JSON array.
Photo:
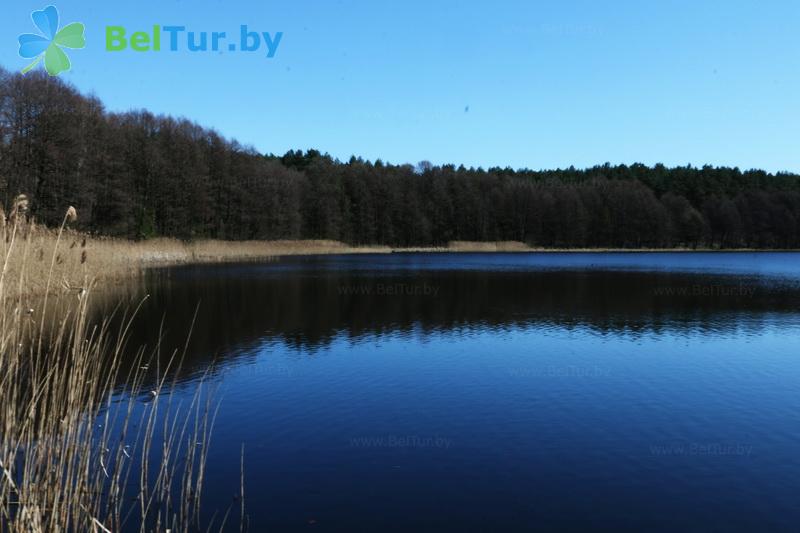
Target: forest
[{"x": 138, "y": 175}]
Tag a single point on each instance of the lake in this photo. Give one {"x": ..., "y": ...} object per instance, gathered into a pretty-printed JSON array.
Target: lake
[{"x": 490, "y": 392}]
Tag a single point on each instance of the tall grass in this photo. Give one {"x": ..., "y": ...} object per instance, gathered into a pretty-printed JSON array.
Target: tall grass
[
  {"x": 79, "y": 450},
  {"x": 108, "y": 259}
]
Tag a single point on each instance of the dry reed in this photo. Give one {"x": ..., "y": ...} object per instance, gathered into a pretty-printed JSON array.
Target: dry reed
[
  {"x": 80, "y": 256},
  {"x": 78, "y": 451}
]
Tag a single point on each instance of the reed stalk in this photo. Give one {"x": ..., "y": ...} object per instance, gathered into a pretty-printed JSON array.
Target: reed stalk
[{"x": 79, "y": 449}]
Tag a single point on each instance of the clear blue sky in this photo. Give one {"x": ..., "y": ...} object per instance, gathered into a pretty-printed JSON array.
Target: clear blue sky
[{"x": 546, "y": 83}]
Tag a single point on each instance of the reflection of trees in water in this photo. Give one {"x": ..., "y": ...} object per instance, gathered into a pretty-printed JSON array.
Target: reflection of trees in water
[{"x": 308, "y": 309}]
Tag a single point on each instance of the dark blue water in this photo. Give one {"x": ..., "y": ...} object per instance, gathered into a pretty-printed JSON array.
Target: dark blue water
[{"x": 490, "y": 392}]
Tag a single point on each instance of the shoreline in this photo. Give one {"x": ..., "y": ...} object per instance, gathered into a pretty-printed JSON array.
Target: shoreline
[
  {"x": 211, "y": 251},
  {"x": 597, "y": 250},
  {"x": 82, "y": 260},
  {"x": 221, "y": 252}
]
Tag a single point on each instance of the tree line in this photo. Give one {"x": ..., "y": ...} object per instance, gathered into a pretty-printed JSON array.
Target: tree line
[{"x": 139, "y": 175}]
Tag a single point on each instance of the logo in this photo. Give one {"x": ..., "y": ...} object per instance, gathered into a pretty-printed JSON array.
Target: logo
[
  {"x": 179, "y": 38},
  {"x": 50, "y": 44}
]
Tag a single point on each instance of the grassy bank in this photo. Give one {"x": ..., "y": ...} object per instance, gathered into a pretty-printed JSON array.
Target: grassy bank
[{"x": 82, "y": 258}]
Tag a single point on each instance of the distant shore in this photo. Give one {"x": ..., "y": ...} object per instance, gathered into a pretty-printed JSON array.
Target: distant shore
[
  {"x": 519, "y": 247},
  {"x": 83, "y": 259},
  {"x": 170, "y": 252}
]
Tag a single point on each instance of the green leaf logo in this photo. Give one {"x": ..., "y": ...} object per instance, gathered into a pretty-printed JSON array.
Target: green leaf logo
[{"x": 49, "y": 44}]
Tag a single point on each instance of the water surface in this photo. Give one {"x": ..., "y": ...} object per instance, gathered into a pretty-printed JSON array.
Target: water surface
[{"x": 487, "y": 392}]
